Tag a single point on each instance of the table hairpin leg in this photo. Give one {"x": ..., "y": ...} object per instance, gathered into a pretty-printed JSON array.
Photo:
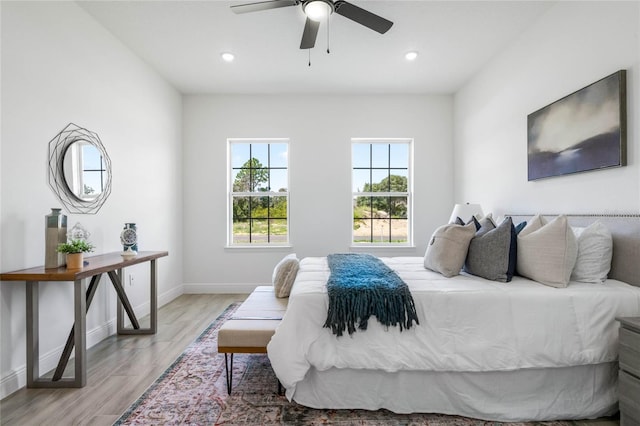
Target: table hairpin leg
[{"x": 229, "y": 371}]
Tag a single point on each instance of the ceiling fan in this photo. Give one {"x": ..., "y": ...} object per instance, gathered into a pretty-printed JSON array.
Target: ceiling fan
[{"x": 316, "y": 10}]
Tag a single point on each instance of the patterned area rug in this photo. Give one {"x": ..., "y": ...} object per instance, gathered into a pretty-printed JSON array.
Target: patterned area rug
[{"x": 192, "y": 391}]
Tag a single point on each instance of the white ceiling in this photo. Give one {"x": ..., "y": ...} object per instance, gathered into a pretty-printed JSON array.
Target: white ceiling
[{"x": 183, "y": 41}]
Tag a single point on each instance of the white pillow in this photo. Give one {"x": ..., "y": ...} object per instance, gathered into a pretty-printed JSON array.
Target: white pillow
[
  {"x": 284, "y": 274},
  {"x": 547, "y": 251},
  {"x": 595, "y": 249},
  {"x": 577, "y": 231}
]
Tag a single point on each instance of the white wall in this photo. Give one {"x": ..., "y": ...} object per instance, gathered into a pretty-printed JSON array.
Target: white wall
[
  {"x": 320, "y": 129},
  {"x": 573, "y": 45},
  {"x": 60, "y": 66}
]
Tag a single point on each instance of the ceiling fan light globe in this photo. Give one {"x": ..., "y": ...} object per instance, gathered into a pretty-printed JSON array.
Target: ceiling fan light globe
[{"x": 316, "y": 10}]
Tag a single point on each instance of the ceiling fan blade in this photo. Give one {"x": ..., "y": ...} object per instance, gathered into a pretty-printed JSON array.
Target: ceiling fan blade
[
  {"x": 309, "y": 34},
  {"x": 263, "y": 5},
  {"x": 363, "y": 17}
]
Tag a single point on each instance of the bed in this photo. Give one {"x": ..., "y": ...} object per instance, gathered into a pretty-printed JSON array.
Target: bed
[{"x": 516, "y": 351}]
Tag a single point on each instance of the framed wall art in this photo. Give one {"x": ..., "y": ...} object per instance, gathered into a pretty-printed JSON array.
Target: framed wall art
[{"x": 586, "y": 130}]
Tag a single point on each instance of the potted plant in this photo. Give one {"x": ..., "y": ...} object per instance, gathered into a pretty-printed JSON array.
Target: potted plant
[{"x": 75, "y": 249}]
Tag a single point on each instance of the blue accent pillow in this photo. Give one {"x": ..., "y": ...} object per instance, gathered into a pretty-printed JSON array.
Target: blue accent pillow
[
  {"x": 519, "y": 227},
  {"x": 473, "y": 219}
]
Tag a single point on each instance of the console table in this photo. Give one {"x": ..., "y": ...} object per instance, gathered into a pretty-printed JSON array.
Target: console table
[{"x": 112, "y": 264}]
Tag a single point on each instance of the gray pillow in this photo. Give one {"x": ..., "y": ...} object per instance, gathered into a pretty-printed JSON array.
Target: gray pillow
[
  {"x": 284, "y": 274},
  {"x": 448, "y": 247},
  {"x": 489, "y": 252}
]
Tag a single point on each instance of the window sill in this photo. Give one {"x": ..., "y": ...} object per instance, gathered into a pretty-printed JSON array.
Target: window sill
[
  {"x": 259, "y": 246},
  {"x": 382, "y": 247}
]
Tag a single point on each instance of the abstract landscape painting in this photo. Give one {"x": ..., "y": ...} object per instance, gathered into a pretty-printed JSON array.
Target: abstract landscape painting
[{"x": 585, "y": 130}]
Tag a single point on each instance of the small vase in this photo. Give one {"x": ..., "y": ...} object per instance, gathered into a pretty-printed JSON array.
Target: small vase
[
  {"x": 75, "y": 260},
  {"x": 55, "y": 233}
]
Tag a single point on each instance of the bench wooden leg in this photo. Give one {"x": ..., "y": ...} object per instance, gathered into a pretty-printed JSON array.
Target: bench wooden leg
[{"x": 229, "y": 372}]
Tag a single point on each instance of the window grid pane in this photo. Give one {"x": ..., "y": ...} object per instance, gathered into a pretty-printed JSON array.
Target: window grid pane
[
  {"x": 380, "y": 193},
  {"x": 258, "y": 215}
]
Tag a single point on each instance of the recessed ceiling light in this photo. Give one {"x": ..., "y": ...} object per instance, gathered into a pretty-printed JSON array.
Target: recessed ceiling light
[
  {"x": 411, "y": 56},
  {"x": 228, "y": 57}
]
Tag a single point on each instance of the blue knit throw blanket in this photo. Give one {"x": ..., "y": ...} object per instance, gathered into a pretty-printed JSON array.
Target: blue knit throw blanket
[{"x": 361, "y": 285}]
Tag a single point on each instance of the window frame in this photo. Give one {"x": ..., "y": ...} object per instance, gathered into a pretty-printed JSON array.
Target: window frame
[
  {"x": 408, "y": 194},
  {"x": 231, "y": 194}
]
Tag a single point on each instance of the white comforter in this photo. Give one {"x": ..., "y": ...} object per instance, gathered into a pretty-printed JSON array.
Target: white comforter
[{"x": 466, "y": 324}]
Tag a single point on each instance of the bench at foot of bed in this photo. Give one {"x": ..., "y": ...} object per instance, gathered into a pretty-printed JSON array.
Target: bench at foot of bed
[{"x": 250, "y": 328}]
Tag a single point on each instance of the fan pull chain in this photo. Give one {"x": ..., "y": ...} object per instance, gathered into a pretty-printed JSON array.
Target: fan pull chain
[
  {"x": 309, "y": 50},
  {"x": 328, "y": 27}
]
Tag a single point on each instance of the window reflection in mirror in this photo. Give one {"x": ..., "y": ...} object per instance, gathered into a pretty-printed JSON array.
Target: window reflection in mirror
[{"x": 84, "y": 170}]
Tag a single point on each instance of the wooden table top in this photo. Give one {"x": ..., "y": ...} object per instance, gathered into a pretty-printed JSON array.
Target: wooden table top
[{"x": 97, "y": 265}]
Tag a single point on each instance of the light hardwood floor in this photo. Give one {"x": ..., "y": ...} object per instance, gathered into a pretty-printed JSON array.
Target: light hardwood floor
[{"x": 119, "y": 368}]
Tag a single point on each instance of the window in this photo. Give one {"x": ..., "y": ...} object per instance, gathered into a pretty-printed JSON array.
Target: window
[
  {"x": 258, "y": 192},
  {"x": 381, "y": 182}
]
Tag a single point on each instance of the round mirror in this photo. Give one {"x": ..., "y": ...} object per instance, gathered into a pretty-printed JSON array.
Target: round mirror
[
  {"x": 79, "y": 170},
  {"x": 84, "y": 170}
]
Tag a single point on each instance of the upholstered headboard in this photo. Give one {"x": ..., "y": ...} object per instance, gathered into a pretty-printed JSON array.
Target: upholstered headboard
[{"x": 625, "y": 229}]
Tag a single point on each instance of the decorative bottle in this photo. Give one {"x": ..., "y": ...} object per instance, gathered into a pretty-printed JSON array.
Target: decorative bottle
[{"x": 55, "y": 233}]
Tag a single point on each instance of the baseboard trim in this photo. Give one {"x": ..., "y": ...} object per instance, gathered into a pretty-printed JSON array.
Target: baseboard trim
[
  {"x": 168, "y": 296},
  {"x": 220, "y": 288},
  {"x": 17, "y": 379}
]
